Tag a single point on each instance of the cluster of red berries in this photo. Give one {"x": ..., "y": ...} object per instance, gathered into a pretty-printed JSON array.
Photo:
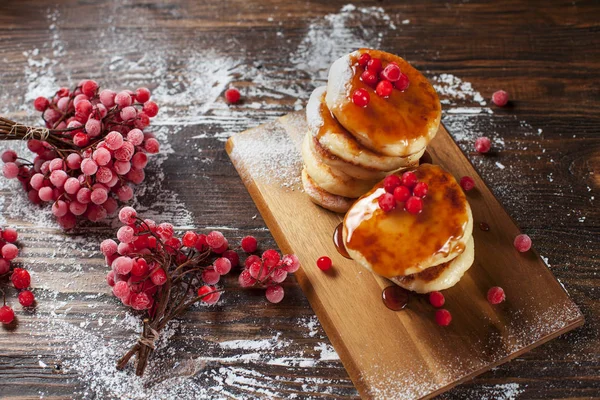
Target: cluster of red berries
[
  {"x": 19, "y": 277},
  {"x": 149, "y": 254},
  {"x": 443, "y": 317},
  {"x": 98, "y": 148},
  {"x": 384, "y": 80},
  {"x": 406, "y": 190},
  {"x": 267, "y": 271}
]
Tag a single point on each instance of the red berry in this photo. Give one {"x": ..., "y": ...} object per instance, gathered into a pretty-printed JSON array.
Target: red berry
[
  {"x": 89, "y": 88},
  {"x": 26, "y": 298},
  {"x": 150, "y": 109},
  {"x": 387, "y": 202},
  {"x": 421, "y": 189},
  {"x": 201, "y": 243},
  {"x": 9, "y": 251},
  {"x": 443, "y": 317},
  {"x": 361, "y": 97},
  {"x": 483, "y": 145},
  {"x": 211, "y": 298},
  {"x": 384, "y": 89},
  {"x": 391, "y": 182},
  {"x": 374, "y": 65},
  {"x": 496, "y": 295},
  {"x": 409, "y": 179},
  {"x": 158, "y": 277},
  {"x": 274, "y": 294},
  {"x": 251, "y": 260},
  {"x": 249, "y": 244},
  {"x": 324, "y": 263},
  {"x": 189, "y": 239},
  {"x": 500, "y": 98},
  {"x": 363, "y": 60},
  {"x": 142, "y": 95},
  {"x": 401, "y": 194},
  {"x": 20, "y": 278},
  {"x": 391, "y": 73},
  {"x": 402, "y": 83},
  {"x": 140, "y": 301},
  {"x": 140, "y": 267},
  {"x": 41, "y": 104},
  {"x": 437, "y": 299},
  {"x": 7, "y": 315},
  {"x": 522, "y": 243},
  {"x": 369, "y": 78},
  {"x": 233, "y": 258},
  {"x": 271, "y": 258},
  {"x": 222, "y": 265},
  {"x": 232, "y": 95},
  {"x": 414, "y": 205},
  {"x": 467, "y": 183},
  {"x": 215, "y": 239}
]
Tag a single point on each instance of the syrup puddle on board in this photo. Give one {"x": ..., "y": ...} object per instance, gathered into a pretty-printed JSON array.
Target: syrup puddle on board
[
  {"x": 395, "y": 298},
  {"x": 484, "y": 226},
  {"x": 338, "y": 240}
]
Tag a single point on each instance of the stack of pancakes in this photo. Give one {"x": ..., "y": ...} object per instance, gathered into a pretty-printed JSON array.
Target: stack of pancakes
[
  {"x": 349, "y": 148},
  {"x": 424, "y": 252}
]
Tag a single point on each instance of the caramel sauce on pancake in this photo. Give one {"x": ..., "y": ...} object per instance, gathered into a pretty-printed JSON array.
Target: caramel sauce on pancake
[
  {"x": 400, "y": 118},
  {"x": 397, "y": 241}
]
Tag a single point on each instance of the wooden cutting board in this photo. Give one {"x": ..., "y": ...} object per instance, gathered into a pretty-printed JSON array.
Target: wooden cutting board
[{"x": 404, "y": 355}]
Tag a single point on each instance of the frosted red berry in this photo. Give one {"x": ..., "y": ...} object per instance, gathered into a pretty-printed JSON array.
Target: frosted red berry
[
  {"x": 209, "y": 294},
  {"x": 421, "y": 189},
  {"x": 41, "y": 104},
  {"x": 500, "y": 98},
  {"x": 386, "y": 202},
  {"x": 20, "y": 278},
  {"x": 409, "y": 179},
  {"x": 215, "y": 239},
  {"x": 483, "y": 144},
  {"x": 189, "y": 239},
  {"x": 467, "y": 183},
  {"x": 222, "y": 266},
  {"x": 324, "y": 263},
  {"x": 496, "y": 295},
  {"x": 402, "y": 83},
  {"x": 443, "y": 317},
  {"x": 436, "y": 299},
  {"x": 391, "y": 182},
  {"x": 414, "y": 205},
  {"x": 7, "y": 315},
  {"x": 249, "y": 244},
  {"x": 275, "y": 294},
  {"x": 232, "y": 95},
  {"x": 522, "y": 243},
  {"x": 26, "y": 298},
  {"x": 361, "y": 97},
  {"x": 158, "y": 277}
]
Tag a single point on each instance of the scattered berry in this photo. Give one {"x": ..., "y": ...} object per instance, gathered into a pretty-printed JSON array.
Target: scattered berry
[
  {"x": 7, "y": 315},
  {"x": 20, "y": 278},
  {"x": 496, "y": 295},
  {"x": 232, "y": 95},
  {"x": 361, "y": 97},
  {"x": 522, "y": 243},
  {"x": 467, "y": 183},
  {"x": 437, "y": 299},
  {"x": 324, "y": 263},
  {"x": 26, "y": 298},
  {"x": 443, "y": 317},
  {"x": 275, "y": 294},
  {"x": 483, "y": 145},
  {"x": 500, "y": 98}
]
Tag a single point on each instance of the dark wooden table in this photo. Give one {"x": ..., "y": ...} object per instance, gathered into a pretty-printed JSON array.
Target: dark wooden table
[{"x": 545, "y": 172}]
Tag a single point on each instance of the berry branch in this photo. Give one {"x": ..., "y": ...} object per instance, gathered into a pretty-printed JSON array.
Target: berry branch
[{"x": 89, "y": 151}]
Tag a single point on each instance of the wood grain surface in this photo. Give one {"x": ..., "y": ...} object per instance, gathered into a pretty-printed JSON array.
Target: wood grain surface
[
  {"x": 404, "y": 355},
  {"x": 545, "y": 54}
]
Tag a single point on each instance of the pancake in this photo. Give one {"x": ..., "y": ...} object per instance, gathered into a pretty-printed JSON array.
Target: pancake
[
  {"x": 330, "y": 179},
  {"x": 441, "y": 276},
  {"x": 398, "y": 243},
  {"x": 325, "y": 199},
  {"x": 341, "y": 149},
  {"x": 400, "y": 125}
]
